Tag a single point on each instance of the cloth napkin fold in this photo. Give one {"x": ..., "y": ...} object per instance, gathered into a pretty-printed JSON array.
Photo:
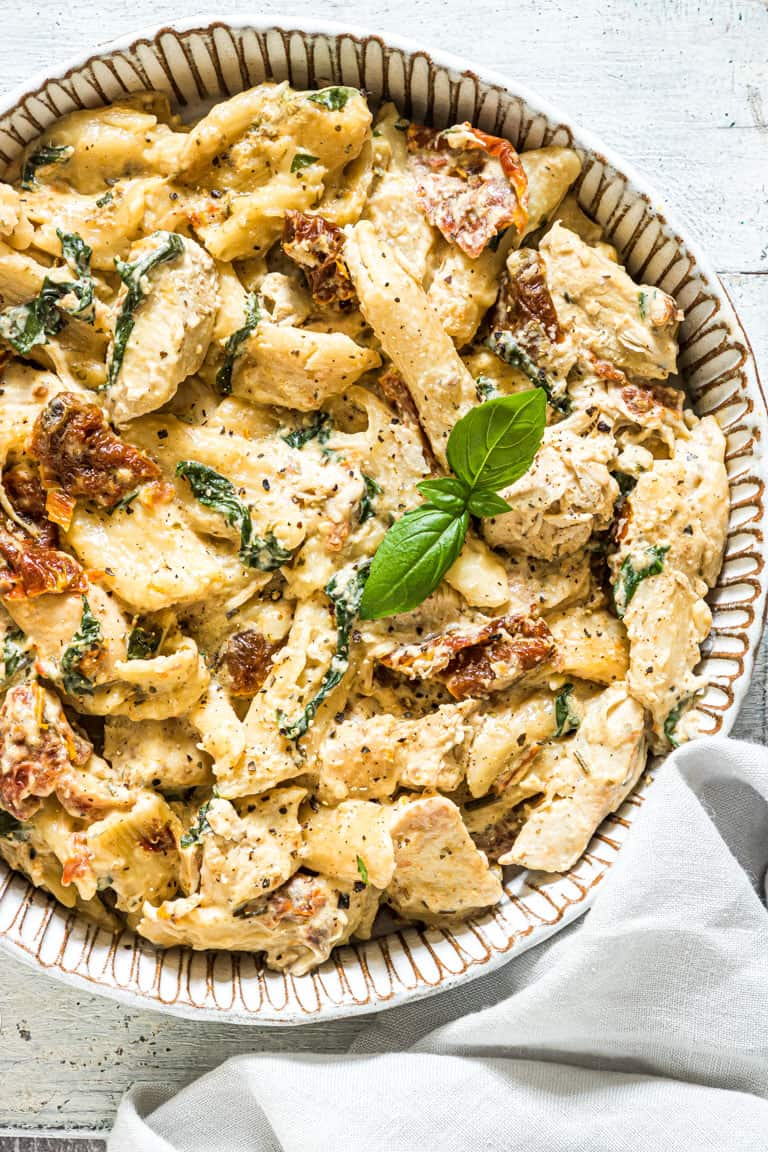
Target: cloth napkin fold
[{"x": 642, "y": 1027}]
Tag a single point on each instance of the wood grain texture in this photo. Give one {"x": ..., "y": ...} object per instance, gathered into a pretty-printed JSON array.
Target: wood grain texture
[{"x": 679, "y": 88}]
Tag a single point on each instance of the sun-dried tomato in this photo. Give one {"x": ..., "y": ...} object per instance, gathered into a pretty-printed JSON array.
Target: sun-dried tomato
[
  {"x": 35, "y": 569},
  {"x": 470, "y": 185},
  {"x": 28, "y": 497},
  {"x": 81, "y": 455},
  {"x": 316, "y": 245},
  {"x": 246, "y": 660}
]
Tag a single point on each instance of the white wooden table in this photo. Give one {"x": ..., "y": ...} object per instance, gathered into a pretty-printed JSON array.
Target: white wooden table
[{"x": 680, "y": 88}]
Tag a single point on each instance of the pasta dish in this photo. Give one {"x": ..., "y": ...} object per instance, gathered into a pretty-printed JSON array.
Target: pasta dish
[{"x": 355, "y": 530}]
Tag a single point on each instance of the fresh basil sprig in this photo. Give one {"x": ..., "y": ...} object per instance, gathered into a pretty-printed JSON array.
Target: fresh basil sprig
[{"x": 488, "y": 449}]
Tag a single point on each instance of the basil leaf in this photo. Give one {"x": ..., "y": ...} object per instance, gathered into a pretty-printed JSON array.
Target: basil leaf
[
  {"x": 484, "y": 503},
  {"x": 16, "y": 656},
  {"x": 334, "y": 99},
  {"x": 143, "y": 643},
  {"x": 302, "y": 160},
  {"x": 567, "y": 718},
  {"x": 233, "y": 342},
  {"x": 320, "y": 428},
  {"x": 345, "y": 592},
  {"x": 412, "y": 559},
  {"x": 629, "y": 577},
  {"x": 367, "y": 504},
  {"x": 495, "y": 443},
  {"x": 200, "y": 828},
  {"x": 214, "y": 491},
  {"x": 504, "y": 345},
  {"x": 44, "y": 156},
  {"x": 135, "y": 277},
  {"x": 446, "y": 493},
  {"x": 87, "y": 639}
]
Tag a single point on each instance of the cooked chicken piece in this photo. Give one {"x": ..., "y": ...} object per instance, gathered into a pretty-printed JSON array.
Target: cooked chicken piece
[
  {"x": 596, "y": 770},
  {"x": 542, "y": 585},
  {"x": 156, "y": 753},
  {"x": 438, "y": 870},
  {"x": 347, "y": 840},
  {"x": 298, "y": 368},
  {"x": 172, "y": 330},
  {"x": 682, "y": 504},
  {"x": 566, "y": 495},
  {"x": 250, "y": 848},
  {"x": 609, "y": 316},
  {"x": 478, "y": 660},
  {"x": 666, "y": 622},
  {"x": 296, "y": 927},
  {"x": 671, "y": 541},
  {"x": 507, "y": 737},
  {"x": 411, "y": 334},
  {"x": 590, "y": 644},
  {"x": 41, "y": 754},
  {"x": 479, "y": 575},
  {"x": 371, "y": 758}
]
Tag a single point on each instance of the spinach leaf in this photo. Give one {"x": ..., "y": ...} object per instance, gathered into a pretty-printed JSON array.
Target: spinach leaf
[
  {"x": 11, "y": 828},
  {"x": 87, "y": 639},
  {"x": 345, "y": 592},
  {"x": 334, "y": 99},
  {"x": 625, "y": 482},
  {"x": 670, "y": 724},
  {"x": 319, "y": 428},
  {"x": 630, "y": 578},
  {"x": 302, "y": 160},
  {"x": 567, "y": 718},
  {"x": 143, "y": 643},
  {"x": 200, "y": 828},
  {"x": 107, "y": 198},
  {"x": 642, "y": 305},
  {"x": 485, "y": 388},
  {"x": 44, "y": 156},
  {"x": 504, "y": 345},
  {"x": 214, "y": 491},
  {"x": 16, "y": 655},
  {"x": 25, "y": 325},
  {"x": 136, "y": 279},
  {"x": 233, "y": 342},
  {"x": 362, "y": 870},
  {"x": 367, "y": 504}
]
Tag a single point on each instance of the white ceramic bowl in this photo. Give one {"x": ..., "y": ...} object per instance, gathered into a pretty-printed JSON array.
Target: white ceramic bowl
[{"x": 196, "y": 65}]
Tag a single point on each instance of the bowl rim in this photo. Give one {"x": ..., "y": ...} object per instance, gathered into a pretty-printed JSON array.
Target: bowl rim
[{"x": 668, "y": 218}]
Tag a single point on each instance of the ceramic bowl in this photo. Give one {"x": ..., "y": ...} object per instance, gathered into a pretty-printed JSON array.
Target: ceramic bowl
[{"x": 206, "y": 62}]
